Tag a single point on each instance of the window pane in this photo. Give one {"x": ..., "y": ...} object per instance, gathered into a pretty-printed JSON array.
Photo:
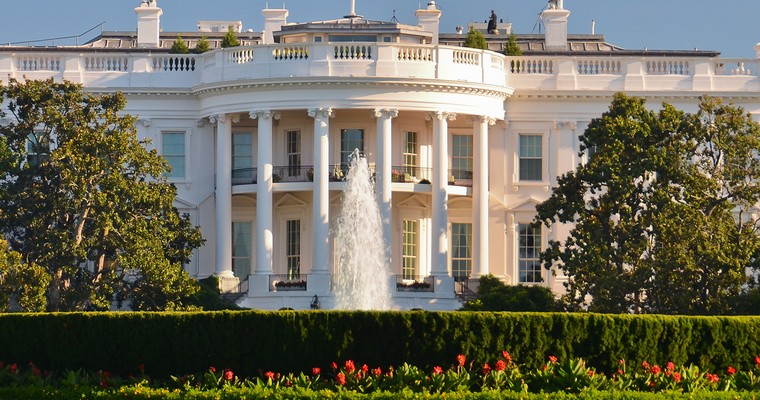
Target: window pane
[
  {"x": 461, "y": 156},
  {"x": 409, "y": 249},
  {"x": 531, "y": 162},
  {"x": 461, "y": 250},
  {"x": 529, "y": 252},
  {"x": 173, "y": 150},
  {"x": 293, "y": 248},
  {"x": 242, "y": 246},
  {"x": 350, "y": 140},
  {"x": 294, "y": 153}
]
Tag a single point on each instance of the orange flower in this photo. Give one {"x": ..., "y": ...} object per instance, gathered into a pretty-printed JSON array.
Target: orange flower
[
  {"x": 552, "y": 359},
  {"x": 486, "y": 369},
  {"x": 269, "y": 375},
  {"x": 437, "y": 370},
  {"x": 461, "y": 360},
  {"x": 500, "y": 365},
  {"x": 350, "y": 366},
  {"x": 730, "y": 370},
  {"x": 229, "y": 375},
  {"x": 341, "y": 378},
  {"x": 676, "y": 377},
  {"x": 507, "y": 357}
]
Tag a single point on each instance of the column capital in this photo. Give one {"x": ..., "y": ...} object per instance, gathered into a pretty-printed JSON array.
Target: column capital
[
  {"x": 216, "y": 118},
  {"x": 146, "y": 122},
  {"x": 441, "y": 115},
  {"x": 200, "y": 122},
  {"x": 483, "y": 118},
  {"x": 264, "y": 114},
  {"x": 324, "y": 112},
  {"x": 565, "y": 124},
  {"x": 389, "y": 112}
]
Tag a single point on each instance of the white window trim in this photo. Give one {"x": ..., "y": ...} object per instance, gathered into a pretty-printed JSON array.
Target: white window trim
[
  {"x": 545, "y": 136},
  {"x": 186, "y": 176},
  {"x": 516, "y": 219}
]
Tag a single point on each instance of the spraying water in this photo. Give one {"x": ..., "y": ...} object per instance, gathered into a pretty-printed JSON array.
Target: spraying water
[{"x": 362, "y": 274}]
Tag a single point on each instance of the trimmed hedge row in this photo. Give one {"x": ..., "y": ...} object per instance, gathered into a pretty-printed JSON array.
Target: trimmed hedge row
[{"x": 250, "y": 342}]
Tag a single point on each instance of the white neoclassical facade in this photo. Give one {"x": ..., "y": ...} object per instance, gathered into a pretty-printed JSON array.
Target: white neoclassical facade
[{"x": 463, "y": 143}]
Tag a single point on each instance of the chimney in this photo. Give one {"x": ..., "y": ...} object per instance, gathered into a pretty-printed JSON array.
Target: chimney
[
  {"x": 555, "y": 24},
  {"x": 428, "y": 19},
  {"x": 274, "y": 19},
  {"x": 148, "y": 24}
]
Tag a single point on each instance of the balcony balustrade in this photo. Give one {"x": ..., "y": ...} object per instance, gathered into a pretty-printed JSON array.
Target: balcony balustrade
[
  {"x": 415, "y": 283},
  {"x": 287, "y": 282}
]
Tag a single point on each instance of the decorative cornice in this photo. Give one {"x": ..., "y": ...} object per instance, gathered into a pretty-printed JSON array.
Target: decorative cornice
[{"x": 217, "y": 118}]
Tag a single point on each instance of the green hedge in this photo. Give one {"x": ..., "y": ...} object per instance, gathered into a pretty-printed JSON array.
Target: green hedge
[{"x": 250, "y": 342}]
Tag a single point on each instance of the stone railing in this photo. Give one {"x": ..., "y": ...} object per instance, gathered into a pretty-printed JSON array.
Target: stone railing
[
  {"x": 655, "y": 73},
  {"x": 302, "y": 60},
  {"x": 384, "y": 60}
]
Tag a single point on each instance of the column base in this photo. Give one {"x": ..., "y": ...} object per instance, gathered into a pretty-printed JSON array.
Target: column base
[{"x": 228, "y": 283}]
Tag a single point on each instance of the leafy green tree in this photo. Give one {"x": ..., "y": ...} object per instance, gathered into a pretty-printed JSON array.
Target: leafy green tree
[
  {"x": 86, "y": 200},
  {"x": 179, "y": 46},
  {"x": 24, "y": 284},
  {"x": 661, "y": 212},
  {"x": 230, "y": 39},
  {"x": 202, "y": 46},
  {"x": 511, "y": 48},
  {"x": 475, "y": 39},
  {"x": 494, "y": 295}
]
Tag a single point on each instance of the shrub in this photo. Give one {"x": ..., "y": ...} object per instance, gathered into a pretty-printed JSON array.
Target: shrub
[
  {"x": 475, "y": 39},
  {"x": 202, "y": 46},
  {"x": 179, "y": 46},
  {"x": 494, "y": 295},
  {"x": 230, "y": 39}
]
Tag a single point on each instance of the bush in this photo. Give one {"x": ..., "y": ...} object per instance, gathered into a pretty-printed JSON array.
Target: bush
[
  {"x": 493, "y": 295},
  {"x": 179, "y": 46},
  {"x": 230, "y": 39},
  {"x": 202, "y": 46},
  {"x": 475, "y": 40}
]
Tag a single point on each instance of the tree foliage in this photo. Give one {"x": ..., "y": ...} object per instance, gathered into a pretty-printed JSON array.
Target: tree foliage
[
  {"x": 663, "y": 211},
  {"x": 475, "y": 39},
  {"x": 85, "y": 200},
  {"x": 179, "y": 46},
  {"x": 202, "y": 46},
  {"x": 230, "y": 39},
  {"x": 511, "y": 48}
]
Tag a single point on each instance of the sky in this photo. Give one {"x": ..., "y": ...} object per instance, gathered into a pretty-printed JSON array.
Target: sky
[{"x": 727, "y": 26}]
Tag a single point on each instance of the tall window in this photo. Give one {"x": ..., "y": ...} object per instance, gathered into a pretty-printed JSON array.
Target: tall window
[
  {"x": 410, "y": 153},
  {"x": 242, "y": 157},
  {"x": 37, "y": 148},
  {"x": 530, "y": 158},
  {"x": 409, "y": 249},
  {"x": 242, "y": 239},
  {"x": 350, "y": 139},
  {"x": 461, "y": 251},
  {"x": 529, "y": 262},
  {"x": 173, "y": 150},
  {"x": 294, "y": 152},
  {"x": 461, "y": 156},
  {"x": 293, "y": 245}
]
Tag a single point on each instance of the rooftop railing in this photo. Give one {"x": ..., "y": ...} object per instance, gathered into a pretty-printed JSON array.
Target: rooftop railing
[{"x": 382, "y": 60}]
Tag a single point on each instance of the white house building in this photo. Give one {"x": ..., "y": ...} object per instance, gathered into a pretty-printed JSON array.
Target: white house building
[{"x": 463, "y": 143}]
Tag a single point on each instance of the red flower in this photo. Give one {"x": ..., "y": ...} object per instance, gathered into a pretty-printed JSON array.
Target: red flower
[
  {"x": 341, "y": 379},
  {"x": 620, "y": 372},
  {"x": 461, "y": 360},
  {"x": 501, "y": 365},
  {"x": 645, "y": 365},
  {"x": 288, "y": 383},
  {"x": 730, "y": 370},
  {"x": 212, "y": 369},
  {"x": 377, "y": 371},
  {"x": 590, "y": 372},
  {"x": 621, "y": 361},
  {"x": 2, "y": 365},
  {"x": 712, "y": 377},
  {"x": 315, "y": 371},
  {"x": 507, "y": 357},
  {"x": 141, "y": 368},
  {"x": 656, "y": 369},
  {"x": 553, "y": 359},
  {"x": 229, "y": 375},
  {"x": 350, "y": 366},
  {"x": 365, "y": 368},
  {"x": 757, "y": 361},
  {"x": 676, "y": 377},
  {"x": 334, "y": 365},
  {"x": 670, "y": 366},
  {"x": 486, "y": 369},
  {"x": 437, "y": 370},
  {"x": 13, "y": 368},
  {"x": 269, "y": 375}
]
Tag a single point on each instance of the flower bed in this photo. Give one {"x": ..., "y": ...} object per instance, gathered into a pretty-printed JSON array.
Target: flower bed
[{"x": 499, "y": 375}]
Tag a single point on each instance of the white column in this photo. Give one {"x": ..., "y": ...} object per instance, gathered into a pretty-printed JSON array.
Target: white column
[
  {"x": 383, "y": 174},
  {"x": 223, "y": 203},
  {"x": 264, "y": 206},
  {"x": 321, "y": 231},
  {"x": 439, "y": 184},
  {"x": 480, "y": 196}
]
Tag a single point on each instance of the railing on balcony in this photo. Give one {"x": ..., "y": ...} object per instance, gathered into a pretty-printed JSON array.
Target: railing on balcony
[
  {"x": 407, "y": 173},
  {"x": 415, "y": 283},
  {"x": 460, "y": 177},
  {"x": 293, "y": 173},
  {"x": 287, "y": 282}
]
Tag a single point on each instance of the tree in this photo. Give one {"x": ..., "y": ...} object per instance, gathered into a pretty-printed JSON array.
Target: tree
[
  {"x": 511, "y": 48},
  {"x": 179, "y": 46},
  {"x": 230, "y": 38},
  {"x": 202, "y": 46},
  {"x": 85, "y": 200},
  {"x": 475, "y": 39},
  {"x": 662, "y": 212},
  {"x": 494, "y": 295}
]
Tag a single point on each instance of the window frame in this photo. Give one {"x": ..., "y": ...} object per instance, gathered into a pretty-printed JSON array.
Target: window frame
[
  {"x": 172, "y": 176},
  {"x": 520, "y": 259},
  {"x": 467, "y": 259},
  {"x": 541, "y": 159}
]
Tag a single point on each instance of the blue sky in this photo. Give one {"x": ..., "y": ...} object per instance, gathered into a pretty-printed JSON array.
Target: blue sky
[{"x": 728, "y": 26}]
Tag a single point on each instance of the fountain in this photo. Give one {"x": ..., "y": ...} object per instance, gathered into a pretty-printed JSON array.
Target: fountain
[{"x": 362, "y": 275}]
